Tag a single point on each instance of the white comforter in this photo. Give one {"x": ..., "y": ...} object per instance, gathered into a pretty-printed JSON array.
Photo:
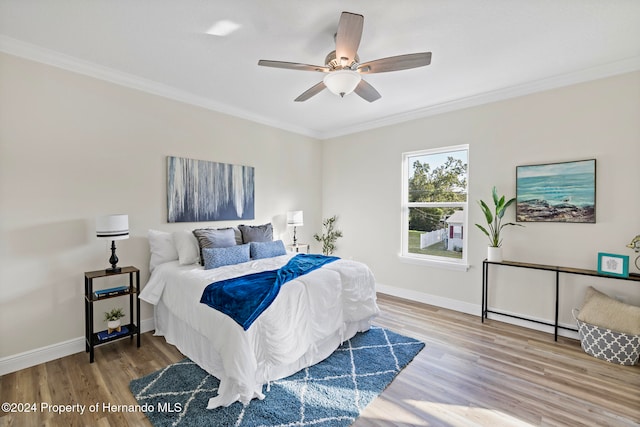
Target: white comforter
[{"x": 310, "y": 317}]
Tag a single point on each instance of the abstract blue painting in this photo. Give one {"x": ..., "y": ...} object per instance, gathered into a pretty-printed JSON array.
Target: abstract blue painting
[
  {"x": 557, "y": 192},
  {"x": 200, "y": 190}
]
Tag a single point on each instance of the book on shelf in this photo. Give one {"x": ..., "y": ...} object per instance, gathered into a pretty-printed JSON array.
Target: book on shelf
[
  {"x": 103, "y": 335},
  {"x": 103, "y": 293}
]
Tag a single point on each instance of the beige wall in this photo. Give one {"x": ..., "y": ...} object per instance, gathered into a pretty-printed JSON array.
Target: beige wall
[
  {"x": 600, "y": 120},
  {"x": 72, "y": 148}
]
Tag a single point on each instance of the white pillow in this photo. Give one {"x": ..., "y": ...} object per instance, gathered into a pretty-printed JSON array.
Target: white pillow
[
  {"x": 162, "y": 248},
  {"x": 187, "y": 246}
]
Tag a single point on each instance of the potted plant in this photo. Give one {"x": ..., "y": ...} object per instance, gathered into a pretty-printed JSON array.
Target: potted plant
[
  {"x": 113, "y": 319},
  {"x": 494, "y": 224},
  {"x": 330, "y": 235}
]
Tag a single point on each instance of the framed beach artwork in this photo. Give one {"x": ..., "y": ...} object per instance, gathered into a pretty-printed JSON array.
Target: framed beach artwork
[
  {"x": 200, "y": 190},
  {"x": 556, "y": 192}
]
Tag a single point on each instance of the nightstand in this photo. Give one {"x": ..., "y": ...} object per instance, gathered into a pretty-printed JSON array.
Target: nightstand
[
  {"x": 300, "y": 247},
  {"x": 91, "y": 295}
]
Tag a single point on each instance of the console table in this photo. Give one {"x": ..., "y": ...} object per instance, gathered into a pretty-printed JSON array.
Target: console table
[{"x": 556, "y": 269}]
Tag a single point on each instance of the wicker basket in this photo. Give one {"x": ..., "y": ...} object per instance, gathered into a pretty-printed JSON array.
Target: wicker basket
[{"x": 605, "y": 344}]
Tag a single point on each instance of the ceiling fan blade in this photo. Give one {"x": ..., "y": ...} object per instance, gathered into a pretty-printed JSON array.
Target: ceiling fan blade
[
  {"x": 313, "y": 90},
  {"x": 348, "y": 37},
  {"x": 293, "y": 66},
  {"x": 367, "y": 92},
  {"x": 395, "y": 63}
]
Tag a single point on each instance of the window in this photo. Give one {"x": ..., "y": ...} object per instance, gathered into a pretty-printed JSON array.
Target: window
[{"x": 434, "y": 206}]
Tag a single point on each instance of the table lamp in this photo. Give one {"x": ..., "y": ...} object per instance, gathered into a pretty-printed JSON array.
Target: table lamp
[
  {"x": 295, "y": 219},
  {"x": 113, "y": 227}
]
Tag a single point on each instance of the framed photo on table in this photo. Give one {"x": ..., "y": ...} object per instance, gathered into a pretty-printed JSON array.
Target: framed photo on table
[{"x": 613, "y": 265}]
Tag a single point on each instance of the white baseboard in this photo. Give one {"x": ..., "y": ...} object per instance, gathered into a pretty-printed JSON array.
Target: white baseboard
[
  {"x": 534, "y": 325},
  {"x": 435, "y": 300},
  {"x": 34, "y": 357},
  {"x": 469, "y": 308},
  {"x": 40, "y": 355}
]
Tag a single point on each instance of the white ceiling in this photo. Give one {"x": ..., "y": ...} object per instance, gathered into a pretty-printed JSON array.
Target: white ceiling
[{"x": 482, "y": 51}]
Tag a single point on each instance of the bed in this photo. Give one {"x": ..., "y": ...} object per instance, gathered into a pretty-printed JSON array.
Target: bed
[{"x": 311, "y": 316}]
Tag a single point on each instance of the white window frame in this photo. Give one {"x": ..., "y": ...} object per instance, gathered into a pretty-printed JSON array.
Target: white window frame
[{"x": 430, "y": 260}]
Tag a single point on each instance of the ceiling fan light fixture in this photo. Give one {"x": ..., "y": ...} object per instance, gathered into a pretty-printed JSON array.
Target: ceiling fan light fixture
[
  {"x": 343, "y": 67},
  {"x": 342, "y": 82}
]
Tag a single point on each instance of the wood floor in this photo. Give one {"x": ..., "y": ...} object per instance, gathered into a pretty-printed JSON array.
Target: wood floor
[{"x": 469, "y": 373}]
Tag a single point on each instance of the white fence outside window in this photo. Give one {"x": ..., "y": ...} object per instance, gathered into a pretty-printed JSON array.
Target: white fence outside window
[{"x": 428, "y": 239}]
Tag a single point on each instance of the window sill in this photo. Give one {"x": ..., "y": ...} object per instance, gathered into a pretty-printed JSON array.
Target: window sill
[{"x": 456, "y": 266}]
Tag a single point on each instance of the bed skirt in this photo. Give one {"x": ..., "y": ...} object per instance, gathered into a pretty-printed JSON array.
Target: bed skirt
[{"x": 196, "y": 347}]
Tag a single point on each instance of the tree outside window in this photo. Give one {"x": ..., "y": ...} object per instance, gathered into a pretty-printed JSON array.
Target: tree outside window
[{"x": 434, "y": 204}]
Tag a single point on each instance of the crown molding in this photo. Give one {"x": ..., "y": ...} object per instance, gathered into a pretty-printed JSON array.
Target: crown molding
[
  {"x": 36, "y": 53},
  {"x": 594, "y": 73}
]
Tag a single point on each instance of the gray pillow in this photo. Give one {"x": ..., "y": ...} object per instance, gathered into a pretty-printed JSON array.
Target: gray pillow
[
  {"x": 214, "y": 238},
  {"x": 256, "y": 233}
]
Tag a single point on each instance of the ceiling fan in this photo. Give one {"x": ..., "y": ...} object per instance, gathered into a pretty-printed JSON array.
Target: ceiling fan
[{"x": 343, "y": 66}]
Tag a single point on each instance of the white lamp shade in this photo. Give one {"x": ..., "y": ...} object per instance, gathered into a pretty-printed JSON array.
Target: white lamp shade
[
  {"x": 342, "y": 82},
  {"x": 112, "y": 227},
  {"x": 295, "y": 218}
]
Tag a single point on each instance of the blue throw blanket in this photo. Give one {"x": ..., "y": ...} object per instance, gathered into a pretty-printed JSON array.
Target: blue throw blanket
[{"x": 244, "y": 298}]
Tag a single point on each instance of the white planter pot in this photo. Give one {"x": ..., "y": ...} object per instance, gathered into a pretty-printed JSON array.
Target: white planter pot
[
  {"x": 494, "y": 254},
  {"x": 113, "y": 325}
]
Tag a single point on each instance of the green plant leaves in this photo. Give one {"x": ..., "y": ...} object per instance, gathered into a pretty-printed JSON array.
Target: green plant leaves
[
  {"x": 329, "y": 237},
  {"x": 494, "y": 219}
]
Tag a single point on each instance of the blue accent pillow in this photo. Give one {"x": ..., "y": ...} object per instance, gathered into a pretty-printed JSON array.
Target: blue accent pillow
[
  {"x": 218, "y": 257},
  {"x": 267, "y": 249}
]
